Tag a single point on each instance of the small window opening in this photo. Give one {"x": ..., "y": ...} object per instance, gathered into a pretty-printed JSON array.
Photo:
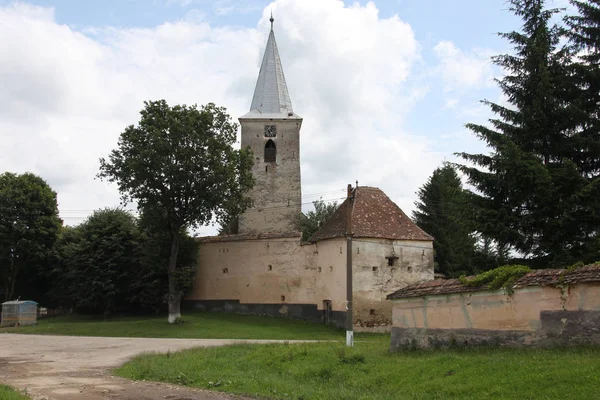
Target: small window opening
[
  {"x": 282, "y": 298},
  {"x": 270, "y": 268},
  {"x": 409, "y": 269},
  {"x": 375, "y": 269},
  {"x": 266, "y": 168},
  {"x": 392, "y": 261},
  {"x": 372, "y": 311},
  {"x": 319, "y": 269},
  {"x": 225, "y": 270},
  {"x": 331, "y": 268},
  {"x": 270, "y": 151}
]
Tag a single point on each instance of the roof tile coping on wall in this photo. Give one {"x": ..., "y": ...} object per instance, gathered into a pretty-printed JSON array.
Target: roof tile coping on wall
[
  {"x": 374, "y": 215},
  {"x": 249, "y": 236},
  {"x": 588, "y": 273}
]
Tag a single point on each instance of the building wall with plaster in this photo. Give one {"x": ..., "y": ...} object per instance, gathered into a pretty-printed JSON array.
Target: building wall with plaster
[
  {"x": 381, "y": 266},
  {"x": 530, "y": 315},
  {"x": 255, "y": 276}
]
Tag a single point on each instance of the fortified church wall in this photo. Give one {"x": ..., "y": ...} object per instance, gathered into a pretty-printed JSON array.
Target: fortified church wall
[{"x": 266, "y": 269}]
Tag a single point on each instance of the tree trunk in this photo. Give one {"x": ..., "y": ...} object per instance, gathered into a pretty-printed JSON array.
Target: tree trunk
[{"x": 174, "y": 296}]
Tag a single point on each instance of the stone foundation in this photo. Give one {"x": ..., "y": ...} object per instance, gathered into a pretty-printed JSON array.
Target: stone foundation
[{"x": 305, "y": 312}]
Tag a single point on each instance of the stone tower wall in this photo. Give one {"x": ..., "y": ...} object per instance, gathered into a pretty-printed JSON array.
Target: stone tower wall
[{"x": 277, "y": 191}]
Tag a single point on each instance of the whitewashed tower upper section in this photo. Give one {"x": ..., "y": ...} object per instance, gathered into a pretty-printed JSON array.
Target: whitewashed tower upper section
[{"x": 272, "y": 130}]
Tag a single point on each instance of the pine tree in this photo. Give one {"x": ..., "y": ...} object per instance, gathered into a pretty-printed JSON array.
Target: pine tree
[
  {"x": 530, "y": 194},
  {"x": 440, "y": 212},
  {"x": 584, "y": 36}
]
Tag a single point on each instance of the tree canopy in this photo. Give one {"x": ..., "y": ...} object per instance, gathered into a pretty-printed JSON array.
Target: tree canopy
[
  {"x": 179, "y": 165},
  {"x": 310, "y": 222},
  {"x": 29, "y": 226},
  {"x": 531, "y": 193},
  {"x": 441, "y": 211}
]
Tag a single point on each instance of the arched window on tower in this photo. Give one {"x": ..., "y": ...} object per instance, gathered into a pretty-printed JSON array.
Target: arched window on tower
[{"x": 270, "y": 151}]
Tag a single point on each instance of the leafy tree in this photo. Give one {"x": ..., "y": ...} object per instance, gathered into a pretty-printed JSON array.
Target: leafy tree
[
  {"x": 310, "y": 222},
  {"x": 29, "y": 226},
  {"x": 150, "y": 284},
  {"x": 179, "y": 165},
  {"x": 98, "y": 260},
  {"x": 441, "y": 212},
  {"x": 530, "y": 195}
]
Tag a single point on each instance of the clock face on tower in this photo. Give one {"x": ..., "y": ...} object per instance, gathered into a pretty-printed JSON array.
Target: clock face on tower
[{"x": 270, "y": 131}]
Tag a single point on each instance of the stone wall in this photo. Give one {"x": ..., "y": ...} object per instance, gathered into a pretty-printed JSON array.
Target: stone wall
[
  {"x": 277, "y": 189},
  {"x": 534, "y": 315}
]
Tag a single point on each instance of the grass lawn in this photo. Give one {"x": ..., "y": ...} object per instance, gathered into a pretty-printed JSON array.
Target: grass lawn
[
  {"x": 369, "y": 371},
  {"x": 197, "y": 325},
  {"x": 7, "y": 393}
]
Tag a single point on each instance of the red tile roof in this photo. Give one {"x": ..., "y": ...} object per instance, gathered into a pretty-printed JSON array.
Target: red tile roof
[
  {"x": 589, "y": 273},
  {"x": 374, "y": 215}
]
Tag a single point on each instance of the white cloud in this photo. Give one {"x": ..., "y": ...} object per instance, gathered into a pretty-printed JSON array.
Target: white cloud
[
  {"x": 68, "y": 95},
  {"x": 462, "y": 70}
]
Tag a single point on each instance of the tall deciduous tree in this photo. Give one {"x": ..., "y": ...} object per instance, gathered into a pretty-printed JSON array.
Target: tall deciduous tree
[
  {"x": 530, "y": 193},
  {"x": 441, "y": 212},
  {"x": 29, "y": 226},
  {"x": 179, "y": 165}
]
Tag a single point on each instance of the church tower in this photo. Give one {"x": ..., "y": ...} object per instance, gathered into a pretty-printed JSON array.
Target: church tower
[{"x": 272, "y": 131}]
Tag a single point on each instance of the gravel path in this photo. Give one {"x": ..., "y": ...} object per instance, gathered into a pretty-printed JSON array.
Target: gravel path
[{"x": 74, "y": 367}]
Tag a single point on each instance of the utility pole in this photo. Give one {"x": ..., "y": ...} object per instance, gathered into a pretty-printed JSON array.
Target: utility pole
[{"x": 349, "y": 322}]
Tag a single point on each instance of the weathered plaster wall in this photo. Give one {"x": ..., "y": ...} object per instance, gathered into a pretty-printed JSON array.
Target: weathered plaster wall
[
  {"x": 283, "y": 272},
  {"x": 277, "y": 190},
  {"x": 279, "y": 273},
  {"x": 374, "y": 278},
  {"x": 537, "y": 314}
]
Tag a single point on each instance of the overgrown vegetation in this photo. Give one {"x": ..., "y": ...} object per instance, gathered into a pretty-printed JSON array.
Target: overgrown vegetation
[
  {"x": 331, "y": 371},
  {"x": 501, "y": 277}
]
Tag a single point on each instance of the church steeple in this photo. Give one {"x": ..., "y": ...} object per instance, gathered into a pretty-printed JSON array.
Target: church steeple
[
  {"x": 271, "y": 131},
  {"x": 271, "y": 94}
]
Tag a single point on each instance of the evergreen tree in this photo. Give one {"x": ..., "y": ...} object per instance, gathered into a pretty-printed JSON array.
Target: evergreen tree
[
  {"x": 441, "y": 213},
  {"x": 530, "y": 194},
  {"x": 584, "y": 36}
]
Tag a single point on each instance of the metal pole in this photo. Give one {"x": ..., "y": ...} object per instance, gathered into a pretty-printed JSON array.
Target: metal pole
[{"x": 349, "y": 322}]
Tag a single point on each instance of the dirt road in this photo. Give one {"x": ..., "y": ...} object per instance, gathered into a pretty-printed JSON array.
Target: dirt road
[{"x": 70, "y": 368}]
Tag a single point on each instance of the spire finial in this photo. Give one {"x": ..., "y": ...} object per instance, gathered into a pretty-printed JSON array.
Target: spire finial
[{"x": 271, "y": 19}]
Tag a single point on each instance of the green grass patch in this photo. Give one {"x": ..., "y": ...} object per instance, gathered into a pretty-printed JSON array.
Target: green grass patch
[
  {"x": 197, "y": 325},
  {"x": 7, "y": 393},
  {"x": 369, "y": 371}
]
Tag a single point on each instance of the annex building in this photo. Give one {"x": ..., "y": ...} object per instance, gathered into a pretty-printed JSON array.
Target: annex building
[{"x": 267, "y": 269}]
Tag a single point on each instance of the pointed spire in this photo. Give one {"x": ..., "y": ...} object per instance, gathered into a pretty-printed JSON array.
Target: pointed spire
[{"x": 271, "y": 94}]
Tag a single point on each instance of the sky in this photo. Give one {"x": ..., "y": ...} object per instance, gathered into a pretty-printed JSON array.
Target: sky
[{"x": 384, "y": 87}]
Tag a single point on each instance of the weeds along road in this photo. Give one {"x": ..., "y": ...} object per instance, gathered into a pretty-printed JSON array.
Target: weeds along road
[{"x": 75, "y": 367}]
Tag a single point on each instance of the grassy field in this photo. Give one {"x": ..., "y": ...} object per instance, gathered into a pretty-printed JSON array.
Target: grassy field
[
  {"x": 196, "y": 325},
  {"x": 331, "y": 371},
  {"x": 7, "y": 393}
]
